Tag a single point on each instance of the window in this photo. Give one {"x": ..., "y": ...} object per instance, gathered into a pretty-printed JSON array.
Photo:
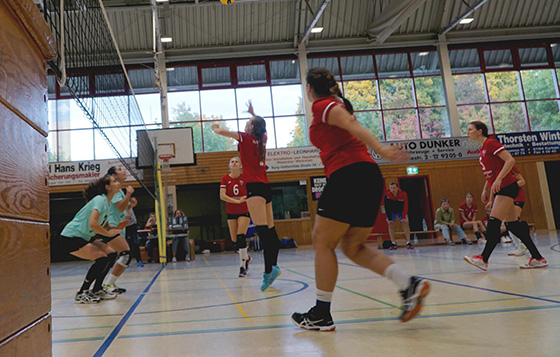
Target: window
[{"x": 289, "y": 200}]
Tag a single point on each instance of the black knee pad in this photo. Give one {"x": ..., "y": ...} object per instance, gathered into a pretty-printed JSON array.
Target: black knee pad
[
  {"x": 112, "y": 257},
  {"x": 264, "y": 236},
  {"x": 124, "y": 258},
  {"x": 519, "y": 228},
  {"x": 494, "y": 225},
  {"x": 241, "y": 241}
]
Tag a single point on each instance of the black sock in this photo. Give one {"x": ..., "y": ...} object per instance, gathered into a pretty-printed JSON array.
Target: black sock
[
  {"x": 492, "y": 238},
  {"x": 111, "y": 258},
  {"x": 522, "y": 231},
  {"x": 478, "y": 235},
  {"x": 94, "y": 271},
  {"x": 266, "y": 243},
  {"x": 275, "y": 245}
]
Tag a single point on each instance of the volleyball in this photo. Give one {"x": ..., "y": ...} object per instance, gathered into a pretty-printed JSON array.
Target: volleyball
[{"x": 227, "y": 2}]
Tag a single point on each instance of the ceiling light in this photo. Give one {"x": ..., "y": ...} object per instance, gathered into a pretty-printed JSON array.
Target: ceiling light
[
  {"x": 170, "y": 69},
  {"x": 166, "y": 39},
  {"x": 316, "y": 30},
  {"x": 162, "y": 0},
  {"x": 553, "y": 45},
  {"x": 466, "y": 20},
  {"x": 423, "y": 53}
]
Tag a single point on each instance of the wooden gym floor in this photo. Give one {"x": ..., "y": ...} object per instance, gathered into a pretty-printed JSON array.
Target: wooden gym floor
[{"x": 202, "y": 308}]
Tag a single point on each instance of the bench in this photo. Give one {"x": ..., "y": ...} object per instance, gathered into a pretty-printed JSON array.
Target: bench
[{"x": 379, "y": 237}]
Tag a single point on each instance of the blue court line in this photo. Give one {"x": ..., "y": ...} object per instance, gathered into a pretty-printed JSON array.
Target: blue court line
[
  {"x": 105, "y": 345},
  {"x": 492, "y": 290},
  {"x": 555, "y": 248}
]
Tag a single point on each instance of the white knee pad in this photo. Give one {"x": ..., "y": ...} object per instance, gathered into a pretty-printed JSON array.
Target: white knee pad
[{"x": 124, "y": 258}]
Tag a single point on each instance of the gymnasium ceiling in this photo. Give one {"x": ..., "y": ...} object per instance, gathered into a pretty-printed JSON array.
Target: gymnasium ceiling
[{"x": 207, "y": 29}]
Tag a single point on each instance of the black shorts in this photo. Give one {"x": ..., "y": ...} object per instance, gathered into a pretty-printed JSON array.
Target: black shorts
[
  {"x": 509, "y": 191},
  {"x": 519, "y": 203},
  {"x": 72, "y": 244},
  {"x": 260, "y": 189},
  {"x": 353, "y": 195},
  {"x": 236, "y": 216},
  {"x": 105, "y": 239}
]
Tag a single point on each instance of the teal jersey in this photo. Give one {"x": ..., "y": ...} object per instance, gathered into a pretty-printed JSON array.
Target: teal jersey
[
  {"x": 116, "y": 216},
  {"x": 79, "y": 225}
]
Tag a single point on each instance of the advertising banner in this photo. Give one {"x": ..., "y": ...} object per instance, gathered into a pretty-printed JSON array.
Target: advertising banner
[{"x": 83, "y": 172}]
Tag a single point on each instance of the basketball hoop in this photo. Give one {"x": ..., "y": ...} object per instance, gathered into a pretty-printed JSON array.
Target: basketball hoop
[{"x": 166, "y": 157}]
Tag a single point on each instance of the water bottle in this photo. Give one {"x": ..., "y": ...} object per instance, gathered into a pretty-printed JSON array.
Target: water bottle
[
  {"x": 415, "y": 239},
  {"x": 424, "y": 225}
]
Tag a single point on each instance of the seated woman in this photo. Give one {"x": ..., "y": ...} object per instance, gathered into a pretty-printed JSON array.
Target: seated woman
[
  {"x": 151, "y": 224},
  {"x": 179, "y": 213},
  {"x": 467, "y": 211}
]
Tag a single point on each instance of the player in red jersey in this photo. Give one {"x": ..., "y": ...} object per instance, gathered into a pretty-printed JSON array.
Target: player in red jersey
[
  {"x": 252, "y": 147},
  {"x": 234, "y": 193},
  {"x": 520, "y": 248},
  {"x": 349, "y": 203},
  {"x": 468, "y": 210},
  {"x": 497, "y": 163},
  {"x": 395, "y": 201}
]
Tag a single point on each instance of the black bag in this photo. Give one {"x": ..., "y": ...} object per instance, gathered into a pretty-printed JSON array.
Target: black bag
[{"x": 387, "y": 244}]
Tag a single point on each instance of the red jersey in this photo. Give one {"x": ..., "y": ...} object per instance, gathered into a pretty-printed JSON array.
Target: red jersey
[
  {"x": 235, "y": 188},
  {"x": 521, "y": 196},
  {"x": 254, "y": 170},
  {"x": 468, "y": 212},
  {"x": 338, "y": 148},
  {"x": 492, "y": 164},
  {"x": 396, "y": 204}
]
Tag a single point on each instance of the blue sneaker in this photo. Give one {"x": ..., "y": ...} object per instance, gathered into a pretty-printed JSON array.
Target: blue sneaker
[
  {"x": 269, "y": 278},
  {"x": 140, "y": 264}
]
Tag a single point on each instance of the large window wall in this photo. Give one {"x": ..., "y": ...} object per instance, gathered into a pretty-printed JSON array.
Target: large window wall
[
  {"x": 510, "y": 88},
  {"x": 397, "y": 95}
]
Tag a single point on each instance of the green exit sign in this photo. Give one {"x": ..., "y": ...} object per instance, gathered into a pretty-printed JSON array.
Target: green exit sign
[{"x": 412, "y": 170}]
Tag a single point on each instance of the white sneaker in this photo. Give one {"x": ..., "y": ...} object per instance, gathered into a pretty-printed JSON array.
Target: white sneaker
[
  {"x": 86, "y": 298},
  {"x": 477, "y": 261},
  {"x": 519, "y": 251},
  {"x": 174, "y": 260},
  {"x": 534, "y": 263},
  {"x": 113, "y": 288},
  {"x": 506, "y": 239},
  {"x": 104, "y": 295}
]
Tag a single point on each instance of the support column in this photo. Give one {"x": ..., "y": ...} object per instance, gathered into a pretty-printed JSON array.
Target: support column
[{"x": 448, "y": 87}]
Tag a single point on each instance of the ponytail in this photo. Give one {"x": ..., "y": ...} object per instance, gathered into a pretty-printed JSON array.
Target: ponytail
[
  {"x": 97, "y": 187},
  {"x": 323, "y": 83},
  {"x": 259, "y": 131}
]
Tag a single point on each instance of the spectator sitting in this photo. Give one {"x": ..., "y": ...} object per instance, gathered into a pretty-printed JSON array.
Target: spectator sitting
[
  {"x": 150, "y": 224},
  {"x": 445, "y": 221},
  {"x": 467, "y": 211}
]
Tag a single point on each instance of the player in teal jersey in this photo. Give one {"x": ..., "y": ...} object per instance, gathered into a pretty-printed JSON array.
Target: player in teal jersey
[{"x": 79, "y": 237}]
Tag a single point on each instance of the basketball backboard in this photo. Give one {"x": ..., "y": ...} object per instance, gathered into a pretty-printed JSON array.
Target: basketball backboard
[{"x": 177, "y": 142}]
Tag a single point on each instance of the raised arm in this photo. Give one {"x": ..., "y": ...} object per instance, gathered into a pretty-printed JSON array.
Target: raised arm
[
  {"x": 224, "y": 132},
  {"x": 341, "y": 118},
  {"x": 122, "y": 205}
]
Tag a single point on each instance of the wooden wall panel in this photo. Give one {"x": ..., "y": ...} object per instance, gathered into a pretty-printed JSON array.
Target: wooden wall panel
[
  {"x": 25, "y": 274},
  {"x": 33, "y": 340},
  {"x": 23, "y": 75},
  {"x": 299, "y": 229},
  {"x": 23, "y": 187}
]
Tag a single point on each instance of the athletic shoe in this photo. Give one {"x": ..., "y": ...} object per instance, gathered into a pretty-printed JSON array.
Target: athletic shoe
[
  {"x": 104, "y": 295},
  {"x": 534, "y": 263},
  {"x": 242, "y": 272},
  {"x": 313, "y": 320},
  {"x": 413, "y": 296},
  {"x": 140, "y": 264},
  {"x": 269, "y": 278},
  {"x": 113, "y": 288},
  {"x": 519, "y": 251},
  {"x": 409, "y": 246},
  {"x": 449, "y": 242},
  {"x": 173, "y": 260},
  {"x": 481, "y": 241},
  {"x": 477, "y": 261},
  {"x": 247, "y": 262},
  {"x": 393, "y": 246},
  {"x": 86, "y": 298},
  {"x": 466, "y": 241},
  {"x": 506, "y": 239}
]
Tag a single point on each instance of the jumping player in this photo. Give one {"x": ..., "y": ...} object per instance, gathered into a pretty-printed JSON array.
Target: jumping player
[
  {"x": 395, "y": 201},
  {"x": 252, "y": 149},
  {"x": 349, "y": 203},
  {"x": 234, "y": 193},
  {"x": 497, "y": 163},
  {"x": 78, "y": 238},
  {"x": 120, "y": 204}
]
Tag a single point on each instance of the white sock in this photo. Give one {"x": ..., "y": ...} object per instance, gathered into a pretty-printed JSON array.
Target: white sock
[
  {"x": 243, "y": 256},
  {"x": 324, "y": 295},
  {"x": 111, "y": 279},
  {"x": 397, "y": 276}
]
